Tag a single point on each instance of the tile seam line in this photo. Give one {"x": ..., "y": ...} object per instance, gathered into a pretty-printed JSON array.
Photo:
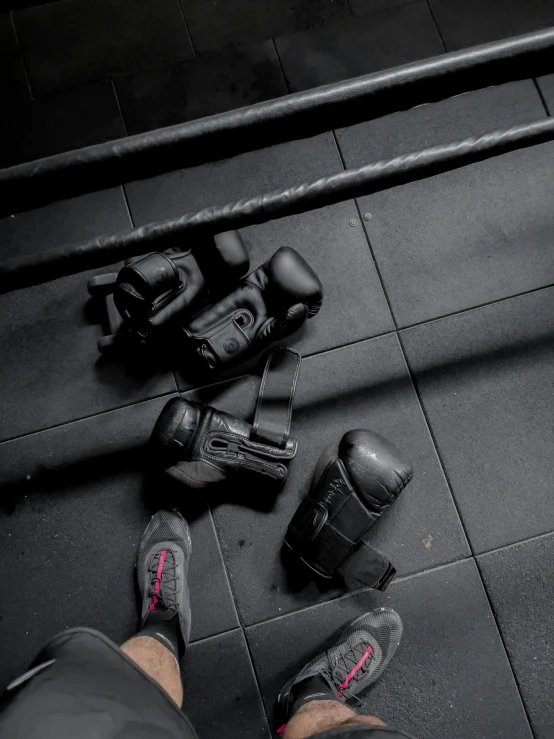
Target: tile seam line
[
  {"x": 540, "y": 94},
  {"x": 366, "y": 235},
  {"x": 187, "y": 29},
  {"x": 431, "y": 11},
  {"x": 239, "y": 617},
  {"x": 127, "y": 205},
  {"x": 222, "y": 558},
  {"x": 353, "y": 593},
  {"x": 287, "y": 86},
  {"x": 215, "y": 636},
  {"x": 257, "y": 679},
  {"x": 400, "y": 579},
  {"x": 86, "y": 418},
  {"x": 506, "y": 652},
  {"x": 475, "y": 307},
  {"x": 322, "y": 352},
  {"x": 23, "y": 62},
  {"x": 118, "y": 103},
  {"x": 106, "y": 74},
  {"x": 412, "y": 575},
  {"x": 466, "y": 534},
  {"x": 504, "y": 547},
  {"x": 434, "y": 443}
]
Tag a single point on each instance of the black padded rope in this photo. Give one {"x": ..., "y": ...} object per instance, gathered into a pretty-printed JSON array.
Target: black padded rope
[
  {"x": 104, "y": 250},
  {"x": 291, "y": 117}
]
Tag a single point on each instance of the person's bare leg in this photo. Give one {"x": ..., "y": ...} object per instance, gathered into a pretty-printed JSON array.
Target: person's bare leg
[
  {"x": 158, "y": 662},
  {"x": 162, "y": 565},
  {"x": 317, "y": 716}
]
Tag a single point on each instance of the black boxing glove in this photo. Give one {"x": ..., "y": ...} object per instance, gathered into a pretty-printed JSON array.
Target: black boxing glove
[
  {"x": 151, "y": 290},
  {"x": 199, "y": 445},
  {"x": 269, "y": 304},
  {"x": 355, "y": 481}
]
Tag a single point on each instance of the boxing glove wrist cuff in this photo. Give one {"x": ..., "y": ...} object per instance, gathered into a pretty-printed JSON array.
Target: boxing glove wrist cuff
[
  {"x": 145, "y": 287},
  {"x": 366, "y": 567},
  {"x": 199, "y": 445},
  {"x": 355, "y": 481},
  {"x": 329, "y": 529}
]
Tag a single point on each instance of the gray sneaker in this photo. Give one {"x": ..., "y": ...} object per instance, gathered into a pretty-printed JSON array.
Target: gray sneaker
[
  {"x": 162, "y": 568},
  {"x": 359, "y": 657}
]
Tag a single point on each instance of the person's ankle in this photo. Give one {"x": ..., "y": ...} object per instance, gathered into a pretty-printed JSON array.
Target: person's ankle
[{"x": 313, "y": 689}]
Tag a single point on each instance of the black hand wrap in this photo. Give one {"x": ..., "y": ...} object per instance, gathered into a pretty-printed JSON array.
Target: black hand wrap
[
  {"x": 269, "y": 304},
  {"x": 152, "y": 290},
  {"x": 355, "y": 481},
  {"x": 199, "y": 445}
]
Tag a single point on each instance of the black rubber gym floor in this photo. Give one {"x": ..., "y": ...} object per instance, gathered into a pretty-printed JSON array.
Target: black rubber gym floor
[{"x": 436, "y": 331}]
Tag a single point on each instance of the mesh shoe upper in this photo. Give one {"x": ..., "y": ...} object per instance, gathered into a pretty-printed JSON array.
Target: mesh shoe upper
[
  {"x": 162, "y": 567},
  {"x": 358, "y": 658}
]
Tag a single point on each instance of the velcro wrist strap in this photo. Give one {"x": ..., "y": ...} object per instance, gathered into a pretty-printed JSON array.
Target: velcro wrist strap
[
  {"x": 330, "y": 522},
  {"x": 274, "y": 406},
  {"x": 159, "y": 274},
  {"x": 367, "y": 567}
]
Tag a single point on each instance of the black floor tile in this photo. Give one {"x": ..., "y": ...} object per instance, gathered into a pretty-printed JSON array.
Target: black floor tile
[
  {"x": 72, "y": 552},
  {"x": 359, "y": 45},
  {"x": 487, "y": 385},
  {"x": 63, "y": 222},
  {"x": 111, "y": 438},
  {"x": 247, "y": 21},
  {"x": 469, "y": 236},
  {"x": 54, "y": 373},
  {"x": 363, "y": 385},
  {"x": 13, "y": 83},
  {"x": 221, "y": 696},
  {"x": 213, "y": 608},
  {"x": 205, "y": 85},
  {"x": 520, "y": 586},
  {"x": 75, "y": 535},
  {"x": 19, "y": 4},
  {"x": 546, "y": 85},
  {"x": 69, "y": 42},
  {"x": 469, "y": 22},
  {"x": 369, "y": 6},
  {"x": 354, "y": 306},
  {"x": 60, "y": 122},
  {"x": 450, "y": 676},
  {"x": 172, "y": 194}
]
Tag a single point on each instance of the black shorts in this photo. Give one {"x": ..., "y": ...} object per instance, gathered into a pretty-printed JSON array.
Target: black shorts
[{"x": 82, "y": 686}]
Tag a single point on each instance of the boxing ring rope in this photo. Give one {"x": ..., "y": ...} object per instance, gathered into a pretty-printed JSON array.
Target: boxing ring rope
[
  {"x": 41, "y": 267},
  {"x": 295, "y": 116}
]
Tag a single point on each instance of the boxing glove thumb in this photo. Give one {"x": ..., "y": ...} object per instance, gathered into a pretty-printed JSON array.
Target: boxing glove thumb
[{"x": 285, "y": 325}]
